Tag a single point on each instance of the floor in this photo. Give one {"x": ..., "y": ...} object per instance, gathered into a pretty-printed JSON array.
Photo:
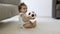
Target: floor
[{"x": 44, "y": 26}]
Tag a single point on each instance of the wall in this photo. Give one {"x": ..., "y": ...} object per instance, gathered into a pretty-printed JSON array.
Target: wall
[{"x": 41, "y": 7}]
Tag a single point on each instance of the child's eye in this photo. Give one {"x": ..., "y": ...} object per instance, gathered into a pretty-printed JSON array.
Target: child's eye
[{"x": 24, "y": 8}]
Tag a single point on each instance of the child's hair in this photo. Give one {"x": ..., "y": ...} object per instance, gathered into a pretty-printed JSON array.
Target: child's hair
[{"x": 20, "y": 6}]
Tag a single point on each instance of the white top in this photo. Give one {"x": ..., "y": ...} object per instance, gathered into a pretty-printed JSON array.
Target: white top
[{"x": 21, "y": 23}]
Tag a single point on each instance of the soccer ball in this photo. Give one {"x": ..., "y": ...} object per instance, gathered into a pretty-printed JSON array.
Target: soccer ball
[{"x": 32, "y": 15}]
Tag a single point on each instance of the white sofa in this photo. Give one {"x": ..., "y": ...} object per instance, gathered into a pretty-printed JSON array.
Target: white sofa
[{"x": 8, "y": 8}]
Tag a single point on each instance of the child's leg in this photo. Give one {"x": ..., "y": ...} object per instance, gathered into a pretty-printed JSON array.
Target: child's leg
[
  {"x": 30, "y": 25},
  {"x": 34, "y": 24}
]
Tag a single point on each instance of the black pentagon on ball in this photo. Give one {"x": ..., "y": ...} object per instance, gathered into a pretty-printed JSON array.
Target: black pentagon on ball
[
  {"x": 32, "y": 15},
  {"x": 29, "y": 13}
]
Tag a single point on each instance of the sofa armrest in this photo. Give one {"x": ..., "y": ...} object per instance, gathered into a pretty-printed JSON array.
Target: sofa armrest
[
  {"x": 15, "y": 2},
  {"x": 7, "y": 11}
]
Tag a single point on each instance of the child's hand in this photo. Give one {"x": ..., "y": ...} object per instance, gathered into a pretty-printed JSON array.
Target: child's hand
[
  {"x": 30, "y": 17},
  {"x": 25, "y": 19}
]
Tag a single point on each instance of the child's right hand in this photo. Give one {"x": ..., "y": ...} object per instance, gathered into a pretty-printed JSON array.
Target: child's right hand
[
  {"x": 25, "y": 19},
  {"x": 29, "y": 17}
]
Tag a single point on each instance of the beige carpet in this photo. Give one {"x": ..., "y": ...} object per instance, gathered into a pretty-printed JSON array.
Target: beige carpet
[
  {"x": 9, "y": 28},
  {"x": 42, "y": 28}
]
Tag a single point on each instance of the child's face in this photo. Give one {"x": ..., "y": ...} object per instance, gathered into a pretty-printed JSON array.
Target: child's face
[{"x": 23, "y": 9}]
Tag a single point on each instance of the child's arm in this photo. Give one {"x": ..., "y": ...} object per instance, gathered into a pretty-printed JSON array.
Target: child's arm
[{"x": 25, "y": 18}]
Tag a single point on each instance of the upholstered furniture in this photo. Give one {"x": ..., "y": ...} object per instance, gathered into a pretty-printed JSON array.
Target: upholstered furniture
[{"x": 8, "y": 8}]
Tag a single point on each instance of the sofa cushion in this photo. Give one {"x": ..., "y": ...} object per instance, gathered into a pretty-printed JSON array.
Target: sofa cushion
[
  {"x": 16, "y": 2},
  {"x": 7, "y": 11}
]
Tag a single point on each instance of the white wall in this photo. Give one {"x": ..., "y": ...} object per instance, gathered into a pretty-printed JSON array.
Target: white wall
[{"x": 41, "y": 7}]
